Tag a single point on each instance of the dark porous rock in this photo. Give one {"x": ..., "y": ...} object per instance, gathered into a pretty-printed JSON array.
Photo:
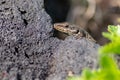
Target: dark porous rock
[
  {"x": 25, "y": 40},
  {"x": 28, "y": 50},
  {"x": 72, "y": 56}
]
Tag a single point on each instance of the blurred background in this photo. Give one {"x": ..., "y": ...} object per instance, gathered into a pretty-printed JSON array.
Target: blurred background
[{"x": 93, "y": 15}]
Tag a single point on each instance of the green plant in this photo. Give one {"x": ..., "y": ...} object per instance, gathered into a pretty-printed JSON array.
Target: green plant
[{"x": 108, "y": 68}]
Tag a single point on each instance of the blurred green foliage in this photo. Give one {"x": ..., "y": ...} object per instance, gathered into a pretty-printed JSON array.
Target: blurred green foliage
[{"x": 108, "y": 68}]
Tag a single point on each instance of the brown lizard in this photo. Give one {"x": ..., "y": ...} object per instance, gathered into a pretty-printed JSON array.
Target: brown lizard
[{"x": 74, "y": 30}]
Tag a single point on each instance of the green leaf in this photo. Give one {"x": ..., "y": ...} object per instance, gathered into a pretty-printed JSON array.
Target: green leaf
[
  {"x": 114, "y": 32},
  {"x": 74, "y": 78},
  {"x": 113, "y": 47},
  {"x": 112, "y": 29},
  {"x": 87, "y": 74},
  {"x": 107, "y": 35},
  {"x": 107, "y": 62}
]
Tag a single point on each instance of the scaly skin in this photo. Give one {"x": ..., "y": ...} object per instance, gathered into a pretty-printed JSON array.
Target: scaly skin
[{"x": 72, "y": 30}]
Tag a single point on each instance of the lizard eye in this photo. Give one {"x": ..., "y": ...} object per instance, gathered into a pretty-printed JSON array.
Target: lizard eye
[{"x": 67, "y": 26}]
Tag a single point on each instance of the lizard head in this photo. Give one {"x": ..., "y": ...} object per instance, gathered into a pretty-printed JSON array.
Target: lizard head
[{"x": 65, "y": 28}]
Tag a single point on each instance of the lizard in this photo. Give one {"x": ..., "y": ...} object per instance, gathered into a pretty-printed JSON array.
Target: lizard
[{"x": 71, "y": 29}]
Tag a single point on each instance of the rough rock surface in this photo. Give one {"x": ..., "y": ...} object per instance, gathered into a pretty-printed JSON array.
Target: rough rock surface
[
  {"x": 25, "y": 31},
  {"x": 27, "y": 43},
  {"x": 73, "y": 55}
]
